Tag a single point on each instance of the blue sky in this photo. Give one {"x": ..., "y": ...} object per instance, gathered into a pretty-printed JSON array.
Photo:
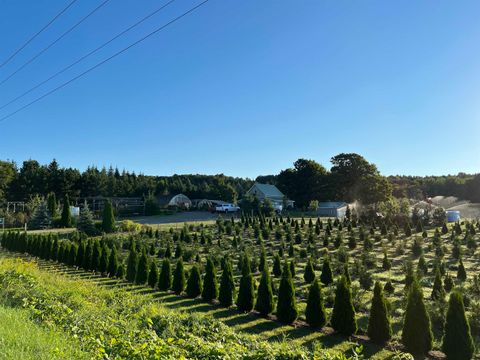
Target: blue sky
[{"x": 247, "y": 87}]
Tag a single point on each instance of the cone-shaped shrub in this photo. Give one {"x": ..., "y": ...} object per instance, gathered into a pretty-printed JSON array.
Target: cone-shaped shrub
[
  {"x": 277, "y": 266},
  {"x": 194, "y": 284},
  {"x": 265, "y": 304},
  {"x": 379, "y": 326},
  {"x": 153, "y": 274},
  {"x": 461, "y": 273},
  {"x": 246, "y": 295},
  {"x": 210, "y": 286},
  {"x": 132, "y": 263},
  {"x": 72, "y": 255},
  {"x": 457, "y": 340},
  {"x": 309, "y": 274},
  {"x": 80, "y": 254},
  {"x": 87, "y": 259},
  {"x": 103, "y": 266},
  {"x": 66, "y": 218},
  {"x": 142, "y": 269},
  {"x": 113, "y": 262},
  {"x": 417, "y": 333},
  {"x": 165, "y": 279},
  {"x": 108, "y": 219},
  {"x": 343, "y": 315},
  {"x": 120, "y": 271},
  {"x": 315, "y": 311},
  {"x": 96, "y": 255},
  {"x": 286, "y": 305},
  {"x": 438, "y": 291},
  {"x": 327, "y": 276},
  {"x": 178, "y": 284},
  {"x": 227, "y": 285}
]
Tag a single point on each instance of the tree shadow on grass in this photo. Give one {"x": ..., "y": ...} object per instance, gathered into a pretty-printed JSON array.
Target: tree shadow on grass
[
  {"x": 241, "y": 318},
  {"x": 183, "y": 304},
  {"x": 261, "y": 327}
]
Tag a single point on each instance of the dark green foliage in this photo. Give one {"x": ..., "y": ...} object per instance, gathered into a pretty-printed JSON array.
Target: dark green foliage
[
  {"x": 142, "y": 269},
  {"x": 309, "y": 274},
  {"x": 113, "y": 262},
  {"x": 153, "y": 274},
  {"x": 66, "y": 219},
  {"x": 315, "y": 311},
  {"x": 194, "y": 284},
  {"x": 226, "y": 294},
  {"x": 379, "y": 327},
  {"x": 448, "y": 283},
  {"x": 265, "y": 303},
  {"x": 286, "y": 304},
  {"x": 210, "y": 286},
  {"x": 438, "y": 292},
  {"x": 292, "y": 267},
  {"x": 52, "y": 205},
  {"x": 96, "y": 255},
  {"x": 246, "y": 295},
  {"x": 327, "y": 275},
  {"x": 457, "y": 341},
  {"x": 41, "y": 218},
  {"x": 389, "y": 287},
  {"x": 132, "y": 263},
  {"x": 343, "y": 314},
  {"x": 417, "y": 333},
  {"x": 120, "y": 271},
  {"x": 178, "y": 284},
  {"x": 461, "y": 273},
  {"x": 108, "y": 219},
  {"x": 103, "y": 266},
  {"x": 386, "y": 263},
  {"x": 165, "y": 279},
  {"x": 277, "y": 266}
]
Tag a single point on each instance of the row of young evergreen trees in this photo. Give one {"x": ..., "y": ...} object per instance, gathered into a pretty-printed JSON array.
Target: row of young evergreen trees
[{"x": 95, "y": 255}]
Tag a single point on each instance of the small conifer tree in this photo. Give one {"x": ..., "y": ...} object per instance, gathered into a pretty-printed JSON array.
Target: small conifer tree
[
  {"x": 108, "y": 219},
  {"x": 226, "y": 294},
  {"x": 165, "y": 279},
  {"x": 315, "y": 311},
  {"x": 327, "y": 275},
  {"x": 286, "y": 305},
  {"x": 194, "y": 284},
  {"x": 277, "y": 266},
  {"x": 66, "y": 218},
  {"x": 210, "y": 286},
  {"x": 246, "y": 296},
  {"x": 132, "y": 263},
  {"x": 153, "y": 274},
  {"x": 142, "y": 269},
  {"x": 113, "y": 262},
  {"x": 265, "y": 303},
  {"x": 438, "y": 292},
  {"x": 379, "y": 326},
  {"x": 178, "y": 284},
  {"x": 309, "y": 274}
]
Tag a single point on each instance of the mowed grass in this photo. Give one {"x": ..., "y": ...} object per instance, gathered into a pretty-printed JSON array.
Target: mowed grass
[{"x": 21, "y": 338}]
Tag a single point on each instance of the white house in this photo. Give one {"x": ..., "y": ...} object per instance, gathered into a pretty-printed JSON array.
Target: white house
[{"x": 270, "y": 192}]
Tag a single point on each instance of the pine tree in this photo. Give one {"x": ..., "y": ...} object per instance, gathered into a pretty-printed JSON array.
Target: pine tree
[
  {"x": 457, "y": 341},
  {"x": 194, "y": 284},
  {"x": 343, "y": 314},
  {"x": 461, "y": 273},
  {"x": 178, "y": 284},
  {"x": 52, "y": 205},
  {"x": 66, "y": 219},
  {"x": 113, "y": 262},
  {"x": 72, "y": 255},
  {"x": 142, "y": 269},
  {"x": 87, "y": 259},
  {"x": 309, "y": 274},
  {"x": 379, "y": 326},
  {"x": 265, "y": 303},
  {"x": 210, "y": 286},
  {"x": 168, "y": 252},
  {"x": 132, "y": 263},
  {"x": 438, "y": 292},
  {"x": 85, "y": 222},
  {"x": 286, "y": 305},
  {"x": 227, "y": 285},
  {"x": 108, "y": 219},
  {"x": 315, "y": 311},
  {"x": 96, "y": 255},
  {"x": 246, "y": 296},
  {"x": 41, "y": 218},
  {"x": 103, "y": 266},
  {"x": 153, "y": 274},
  {"x": 120, "y": 271},
  {"x": 417, "y": 333},
  {"x": 327, "y": 276},
  {"x": 277, "y": 266},
  {"x": 80, "y": 254},
  {"x": 165, "y": 279}
]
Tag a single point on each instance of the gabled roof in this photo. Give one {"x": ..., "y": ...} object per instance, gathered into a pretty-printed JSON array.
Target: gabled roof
[
  {"x": 268, "y": 190},
  {"x": 331, "y": 205}
]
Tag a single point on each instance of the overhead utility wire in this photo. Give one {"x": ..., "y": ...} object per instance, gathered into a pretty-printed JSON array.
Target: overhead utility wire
[
  {"x": 15, "y": 53},
  {"x": 105, "y": 61},
  {"x": 54, "y": 42},
  {"x": 88, "y": 54}
]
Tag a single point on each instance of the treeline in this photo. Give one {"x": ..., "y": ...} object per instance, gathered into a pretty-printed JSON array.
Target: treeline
[
  {"x": 463, "y": 186},
  {"x": 32, "y": 178}
]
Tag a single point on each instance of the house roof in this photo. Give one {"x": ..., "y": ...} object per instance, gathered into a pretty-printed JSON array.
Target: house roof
[
  {"x": 268, "y": 190},
  {"x": 331, "y": 205}
]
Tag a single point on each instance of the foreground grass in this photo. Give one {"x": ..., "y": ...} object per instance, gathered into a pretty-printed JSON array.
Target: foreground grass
[
  {"x": 46, "y": 310},
  {"x": 21, "y": 338}
]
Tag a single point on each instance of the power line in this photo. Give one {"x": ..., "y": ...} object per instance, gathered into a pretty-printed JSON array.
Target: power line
[
  {"x": 54, "y": 42},
  {"x": 105, "y": 61},
  {"x": 88, "y": 54},
  {"x": 15, "y": 53}
]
